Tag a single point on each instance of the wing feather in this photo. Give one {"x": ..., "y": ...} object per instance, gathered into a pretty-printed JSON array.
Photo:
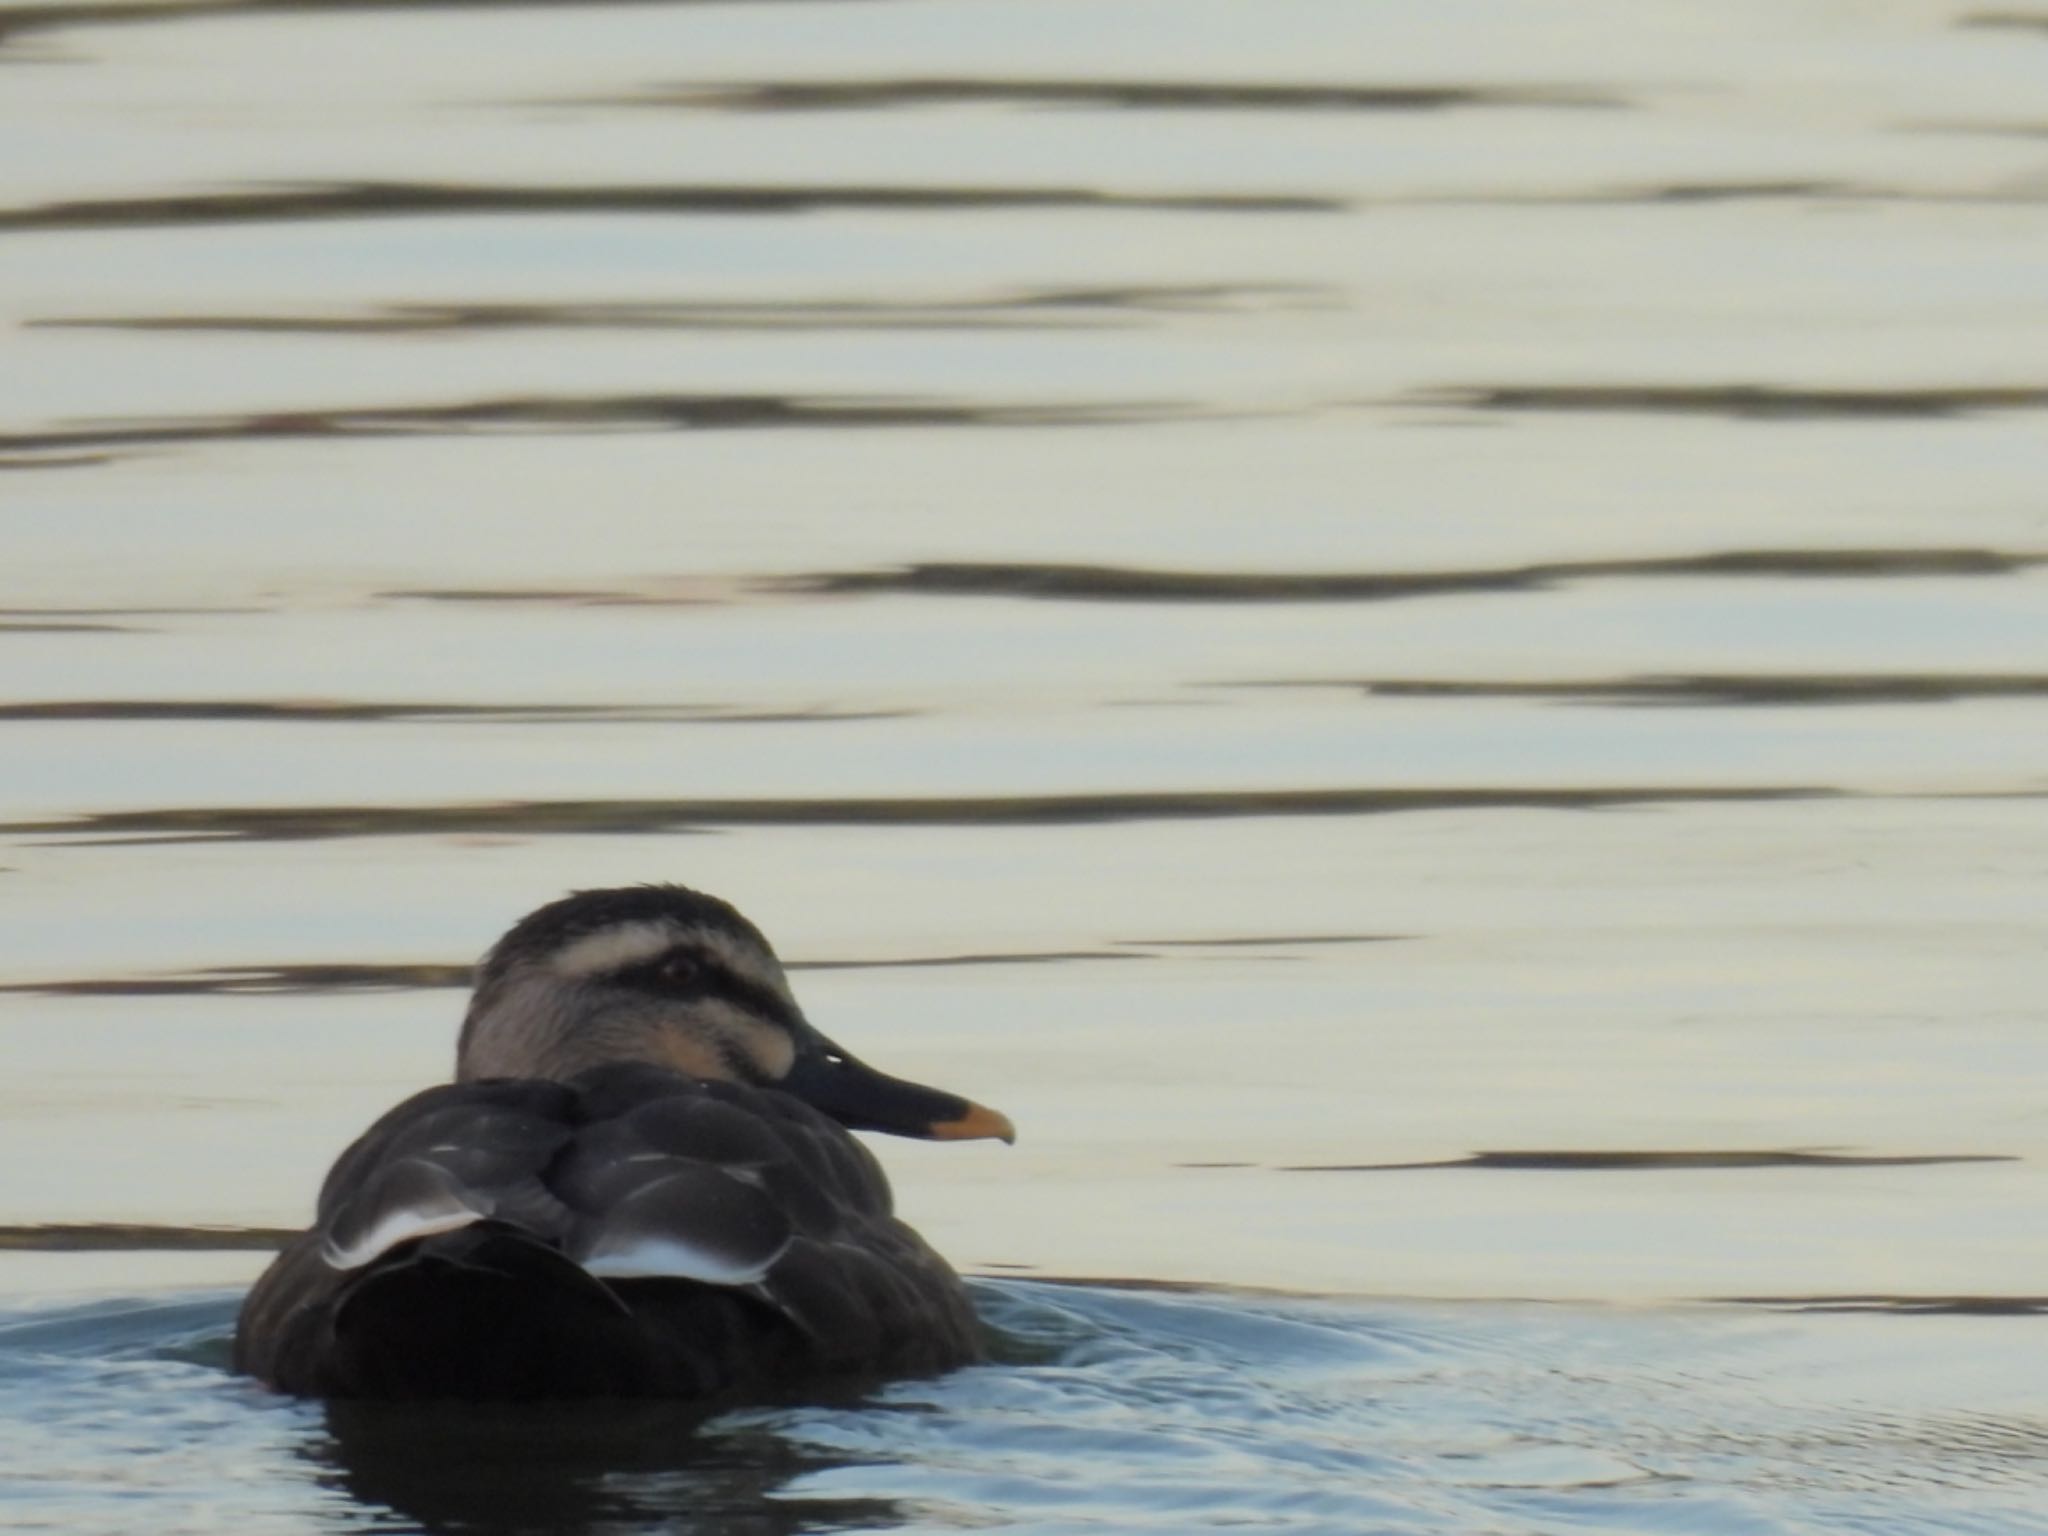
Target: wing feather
[
  {"x": 737, "y": 1229},
  {"x": 695, "y": 1222},
  {"x": 404, "y": 1200}
]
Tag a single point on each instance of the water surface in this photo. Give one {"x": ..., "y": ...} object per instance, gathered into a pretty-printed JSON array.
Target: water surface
[
  {"x": 1414, "y": 633},
  {"x": 1106, "y": 1409}
]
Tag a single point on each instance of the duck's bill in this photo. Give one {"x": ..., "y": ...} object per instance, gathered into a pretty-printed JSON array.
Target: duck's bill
[
  {"x": 980, "y": 1123},
  {"x": 862, "y": 1099}
]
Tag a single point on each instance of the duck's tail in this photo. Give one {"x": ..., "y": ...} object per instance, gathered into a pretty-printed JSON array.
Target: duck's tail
[
  {"x": 487, "y": 1310},
  {"x": 491, "y": 1311}
]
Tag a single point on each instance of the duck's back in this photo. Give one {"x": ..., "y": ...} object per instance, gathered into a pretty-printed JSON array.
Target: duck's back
[{"x": 631, "y": 1232}]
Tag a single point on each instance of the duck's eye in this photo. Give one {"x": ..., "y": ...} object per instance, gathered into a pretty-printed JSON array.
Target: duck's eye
[{"x": 681, "y": 970}]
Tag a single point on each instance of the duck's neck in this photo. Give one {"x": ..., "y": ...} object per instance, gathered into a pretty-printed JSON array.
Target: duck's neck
[{"x": 538, "y": 1027}]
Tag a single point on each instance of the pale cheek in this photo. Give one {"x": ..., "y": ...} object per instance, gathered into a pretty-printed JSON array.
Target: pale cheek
[
  {"x": 772, "y": 1050},
  {"x": 690, "y": 1055}
]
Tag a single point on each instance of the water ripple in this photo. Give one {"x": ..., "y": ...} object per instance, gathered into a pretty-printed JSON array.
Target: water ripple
[
  {"x": 387, "y": 200},
  {"x": 22, "y": 20},
  {"x": 1748, "y": 402},
  {"x": 1064, "y": 308},
  {"x": 1104, "y": 583},
  {"x": 62, "y": 626},
  {"x": 1610, "y": 1161},
  {"x": 328, "y": 978},
  {"x": 2020, "y": 20},
  {"x": 1765, "y": 689},
  {"x": 1900, "y": 1306},
  {"x": 268, "y": 823},
  {"x": 1102, "y": 1409},
  {"x": 364, "y": 711},
  {"x": 136, "y": 1237},
  {"x": 556, "y": 413},
  {"x": 1115, "y": 95}
]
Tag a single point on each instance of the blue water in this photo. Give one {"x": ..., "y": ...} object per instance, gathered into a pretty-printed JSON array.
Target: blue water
[{"x": 1104, "y": 1409}]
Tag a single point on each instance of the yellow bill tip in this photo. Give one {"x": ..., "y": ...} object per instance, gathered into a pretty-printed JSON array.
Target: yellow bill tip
[{"x": 978, "y": 1124}]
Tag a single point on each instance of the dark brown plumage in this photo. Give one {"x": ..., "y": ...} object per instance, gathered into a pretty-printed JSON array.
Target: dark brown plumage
[{"x": 619, "y": 1227}]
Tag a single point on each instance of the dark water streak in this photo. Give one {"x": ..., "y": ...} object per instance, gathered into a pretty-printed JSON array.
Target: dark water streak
[
  {"x": 1087, "y": 308},
  {"x": 59, "y": 461},
  {"x": 1818, "y": 191},
  {"x": 329, "y": 201},
  {"x": 1899, "y": 1306},
  {"x": 327, "y": 978},
  {"x": 1745, "y": 402},
  {"x": 1762, "y": 690},
  {"x": 385, "y": 200},
  {"x": 1116, "y": 95},
  {"x": 615, "y": 817},
  {"x": 600, "y": 413},
  {"x": 63, "y": 627},
  {"x": 363, "y": 712},
  {"x": 694, "y": 594},
  {"x": 2035, "y": 21},
  {"x": 21, "y": 21},
  {"x": 139, "y": 1237},
  {"x": 305, "y": 978},
  {"x": 335, "y": 977},
  {"x": 1277, "y": 940},
  {"x": 1104, "y": 583},
  {"x": 1751, "y": 689},
  {"x": 1548, "y": 1161}
]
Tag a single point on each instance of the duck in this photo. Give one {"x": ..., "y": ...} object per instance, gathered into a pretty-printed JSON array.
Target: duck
[{"x": 642, "y": 1183}]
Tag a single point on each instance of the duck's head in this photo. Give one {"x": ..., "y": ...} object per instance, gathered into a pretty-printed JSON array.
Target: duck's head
[{"x": 661, "y": 974}]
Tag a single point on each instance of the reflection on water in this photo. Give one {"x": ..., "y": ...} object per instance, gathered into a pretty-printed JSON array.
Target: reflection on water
[
  {"x": 1106, "y": 583},
  {"x": 391, "y": 200},
  {"x": 592, "y": 1468},
  {"x": 2025, "y": 20},
  {"x": 264, "y": 980},
  {"x": 358, "y": 712},
  {"x": 1801, "y": 193},
  {"x": 1753, "y": 402},
  {"x": 1037, "y": 309},
  {"x": 1557, "y": 1161},
  {"x": 139, "y": 1237},
  {"x": 1125, "y": 95},
  {"x": 384, "y": 200},
  {"x": 1151, "y": 1409},
  {"x": 617, "y": 413},
  {"x": 1128, "y": 584},
  {"x": 21, "y": 20},
  {"x": 57, "y": 626},
  {"x": 1751, "y": 689},
  {"x": 330, "y": 978},
  {"x": 646, "y": 817},
  {"x": 1902, "y": 1306}
]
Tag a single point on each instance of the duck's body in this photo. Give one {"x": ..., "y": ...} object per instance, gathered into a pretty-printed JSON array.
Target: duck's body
[{"x": 641, "y": 1184}]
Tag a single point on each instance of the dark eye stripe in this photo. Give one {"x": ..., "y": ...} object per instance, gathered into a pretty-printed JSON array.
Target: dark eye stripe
[{"x": 711, "y": 978}]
